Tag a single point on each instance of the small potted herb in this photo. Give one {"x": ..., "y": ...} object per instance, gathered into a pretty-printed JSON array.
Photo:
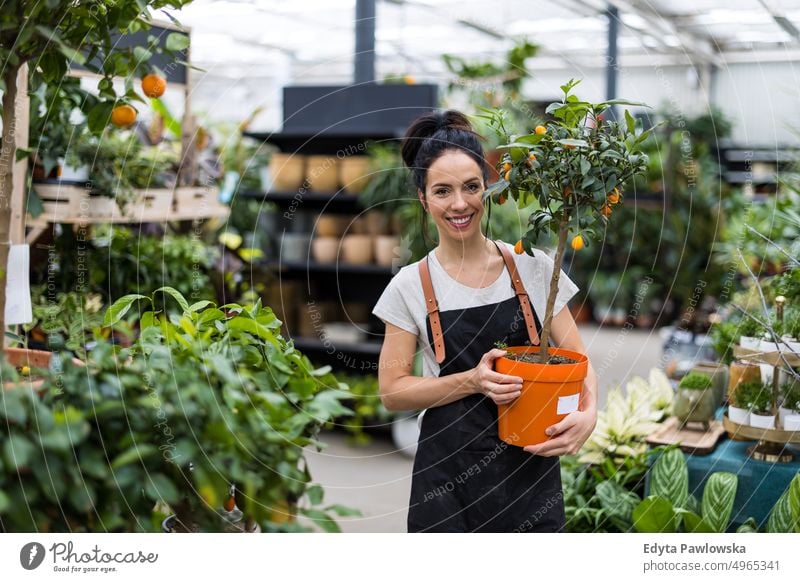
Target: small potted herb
[
  {"x": 695, "y": 400},
  {"x": 790, "y": 407},
  {"x": 750, "y": 331},
  {"x": 739, "y": 409},
  {"x": 758, "y": 396}
]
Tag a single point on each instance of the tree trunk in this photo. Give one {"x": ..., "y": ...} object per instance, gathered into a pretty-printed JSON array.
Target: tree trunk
[
  {"x": 544, "y": 340},
  {"x": 8, "y": 155}
]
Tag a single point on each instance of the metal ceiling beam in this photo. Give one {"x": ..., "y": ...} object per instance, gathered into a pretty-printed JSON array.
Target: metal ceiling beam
[{"x": 781, "y": 19}]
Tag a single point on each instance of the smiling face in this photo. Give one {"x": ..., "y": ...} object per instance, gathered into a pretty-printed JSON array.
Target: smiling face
[{"x": 453, "y": 191}]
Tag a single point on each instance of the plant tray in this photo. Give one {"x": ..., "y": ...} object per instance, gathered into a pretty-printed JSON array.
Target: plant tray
[
  {"x": 770, "y": 358},
  {"x": 770, "y": 435},
  {"x": 198, "y": 202},
  {"x": 690, "y": 441},
  {"x": 74, "y": 204}
]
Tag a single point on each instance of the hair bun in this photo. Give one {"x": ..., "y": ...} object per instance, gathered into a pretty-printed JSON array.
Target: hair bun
[{"x": 427, "y": 126}]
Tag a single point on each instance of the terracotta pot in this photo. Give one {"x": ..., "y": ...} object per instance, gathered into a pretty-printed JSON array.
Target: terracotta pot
[
  {"x": 377, "y": 222},
  {"x": 741, "y": 372},
  {"x": 34, "y": 359},
  {"x": 287, "y": 172},
  {"x": 396, "y": 224},
  {"x": 357, "y": 249},
  {"x": 357, "y": 225},
  {"x": 354, "y": 173},
  {"x": 324, "y": 249},
  {"x": 322, "y": 173},
  {"x": 549, "y": 393},
  {"x": 386, "y": 249},
  {"x": 330, "y": 225}
]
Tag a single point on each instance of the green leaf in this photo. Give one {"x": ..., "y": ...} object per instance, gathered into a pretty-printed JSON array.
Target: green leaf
[
  {"x": 5, "y": 503},
  {"x": 134, "y": 455},
  {"x": 321, "y": 519},
  {"x": 616, "y": 500},
  {"x": 177, "y": 41},
  {"x": 749, "y": 526},
  {"x": 343, "y": 511},
  {"x": 17, "y": 451},
  {"x": 175, "y": 294},
  {"x": 630, "y": 122},
  {"x": 655, "y": 515},
  {"x": 200, "y": 305},
  {"x": 13, "y": 408},
  {"x": 694, "y": 523},
  {"x": 99, "y": 116},
  {"x": 794, "y": 501},
  {"x": 315, "y": 494},
  {"x": 119, "y": 308},
  {"x": 141, "y": 54},
  {"x": 670, "y": 478},
  {"x": 780, "y": 518},
  {"x": 160, "y": 487},
  {"x": 718, "y": 497}
]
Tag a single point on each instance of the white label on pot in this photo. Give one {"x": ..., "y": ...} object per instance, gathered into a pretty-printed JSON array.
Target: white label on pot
[
  {"x": 18, "y": 293},
  {"x": 567, "y": 404}
]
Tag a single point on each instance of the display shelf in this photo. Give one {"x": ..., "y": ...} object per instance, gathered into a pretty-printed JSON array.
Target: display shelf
[
  {"x": 337, "y": 268},
  {"x": 769, "y": 358},
  {"x": 303, "y": 343},
  {"x": 329, "y": 201}
]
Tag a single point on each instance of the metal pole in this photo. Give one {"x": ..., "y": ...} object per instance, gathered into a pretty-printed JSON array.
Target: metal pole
[
  {"x": 611, "y": 60},
  {"x": 365, "y": 42}
]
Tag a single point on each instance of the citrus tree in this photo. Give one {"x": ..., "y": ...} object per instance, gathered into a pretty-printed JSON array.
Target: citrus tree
[
  {"x": 48, "y": 36},
  {"x": 571, "y": 171}
]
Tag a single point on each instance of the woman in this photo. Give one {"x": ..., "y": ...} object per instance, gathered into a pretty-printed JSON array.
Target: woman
[{"x": 457, "y": 303}]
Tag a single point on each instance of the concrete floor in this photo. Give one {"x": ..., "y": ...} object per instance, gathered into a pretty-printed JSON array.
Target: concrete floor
[{"x": 376, "y": 479}]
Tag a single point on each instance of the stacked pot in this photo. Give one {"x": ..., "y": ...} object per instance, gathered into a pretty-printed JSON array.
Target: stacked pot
[{"x": 355, "y": 240}]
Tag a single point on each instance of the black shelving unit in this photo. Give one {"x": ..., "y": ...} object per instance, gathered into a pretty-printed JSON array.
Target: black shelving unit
[
  {"x": 758, "y": 169},
  {"x": 339, "y": 121}
]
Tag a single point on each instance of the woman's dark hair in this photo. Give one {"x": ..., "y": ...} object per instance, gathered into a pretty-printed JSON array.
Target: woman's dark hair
[{"x": 434, "y": 133}]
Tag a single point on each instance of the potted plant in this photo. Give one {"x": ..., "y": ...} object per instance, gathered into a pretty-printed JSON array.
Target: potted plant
[
  {"x": 27, "y": 35},
  {"x": 572, "y": 171},
  {"x": 751, "y": 331},
  {"x": 695, "y": 400},
  {"x": 790, "y": 407},
  {"x": 756, "y": 396},
  {"x": 207, "y": 397}
]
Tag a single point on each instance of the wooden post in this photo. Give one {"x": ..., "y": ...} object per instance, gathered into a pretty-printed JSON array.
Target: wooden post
[{"x": 20, "y": 171}]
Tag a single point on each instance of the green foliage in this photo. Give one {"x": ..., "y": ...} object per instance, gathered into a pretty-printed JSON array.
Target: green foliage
[
  {"x": 119, "y": 164},
  {"x": 785, "y": 515},
  {"x": 368, "y": 410},
  {"x": 695, "y": 381},
  {"x": 206, "y": 398},
  {"x": 791, "y": 394},
  {"x": 75, "y": 317},
  {"x": 118, "y": 260},
  {"x": 753, "y": 395}
]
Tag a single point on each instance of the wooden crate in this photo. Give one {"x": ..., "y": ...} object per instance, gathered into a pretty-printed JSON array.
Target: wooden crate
[{"x": 62, "y": 202}]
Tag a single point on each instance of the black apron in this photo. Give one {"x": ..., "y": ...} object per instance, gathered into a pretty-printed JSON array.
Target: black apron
[{"x": 465, "y": 478}]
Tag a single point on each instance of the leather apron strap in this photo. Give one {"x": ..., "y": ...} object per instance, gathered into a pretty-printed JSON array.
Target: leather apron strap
[
  {"x": 519, "y": 289},
  {"x": 432, "y": 305}
]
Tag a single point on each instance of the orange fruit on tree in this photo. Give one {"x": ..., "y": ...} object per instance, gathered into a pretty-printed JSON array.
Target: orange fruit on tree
[
  {"x": 540, "y": 129},
  {"x": 532, "y": 156},
  {"x": 518, "y": 248},
  {"x": 502, "y": 199},
  {"x": 508, "y": 176},
  {"x": 613, "y": 196},
  {"x": 230, "y": 503},
  {"x": 123, "y": 115},
  {"x": 605, "y": 210},
  {"x": 506, "y": 166},
  {"x": 153, "y": 85},
  {"x": 577, "y": 243}
]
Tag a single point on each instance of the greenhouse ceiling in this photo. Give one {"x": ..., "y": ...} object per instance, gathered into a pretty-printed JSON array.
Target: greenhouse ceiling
[{"x": 313, "y": 40}]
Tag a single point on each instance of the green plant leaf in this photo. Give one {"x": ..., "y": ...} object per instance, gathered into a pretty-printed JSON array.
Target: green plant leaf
[
  {"x": 670, "y": 478},
  {"x": 175, "y": 294},
  {"x": 693, "y": 523},
  {"x": 322, "y": 519},
  {"x": 119, "y": 308},
  {"x": 718, "y": 497},
  {"x": 99, "y": 116},
  {"x": 17, "y": 451},
  {"x": 12, "y": 407},
  {"x": 616, "y": 500},
  {"x": 134, "y": 455},
  {"x": 177, "y": 41},
  {"x": 315, "y": 494},
  {"x": 630, "y": 122},
  {"x": 160, "y": 487},
  {"x": 780, "y": 518},
  {"x": 655, "y": 515},
  {"x": 749, "y": 526},
  {"x": 794, "y": 501}
]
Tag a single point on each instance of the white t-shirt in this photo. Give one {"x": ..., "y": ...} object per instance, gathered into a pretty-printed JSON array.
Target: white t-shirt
[{"x": 403, "y": 303}]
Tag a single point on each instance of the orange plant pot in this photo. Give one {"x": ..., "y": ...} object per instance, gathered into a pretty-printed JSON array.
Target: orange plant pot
[{"x": 549, "y": 393}]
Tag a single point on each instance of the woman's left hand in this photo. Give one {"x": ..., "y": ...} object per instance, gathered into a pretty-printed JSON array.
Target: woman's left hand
[{"x": 567, "y": 437}]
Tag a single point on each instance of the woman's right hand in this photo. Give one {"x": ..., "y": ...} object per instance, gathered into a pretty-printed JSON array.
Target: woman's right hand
[{"x": 501, "y": 388}]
